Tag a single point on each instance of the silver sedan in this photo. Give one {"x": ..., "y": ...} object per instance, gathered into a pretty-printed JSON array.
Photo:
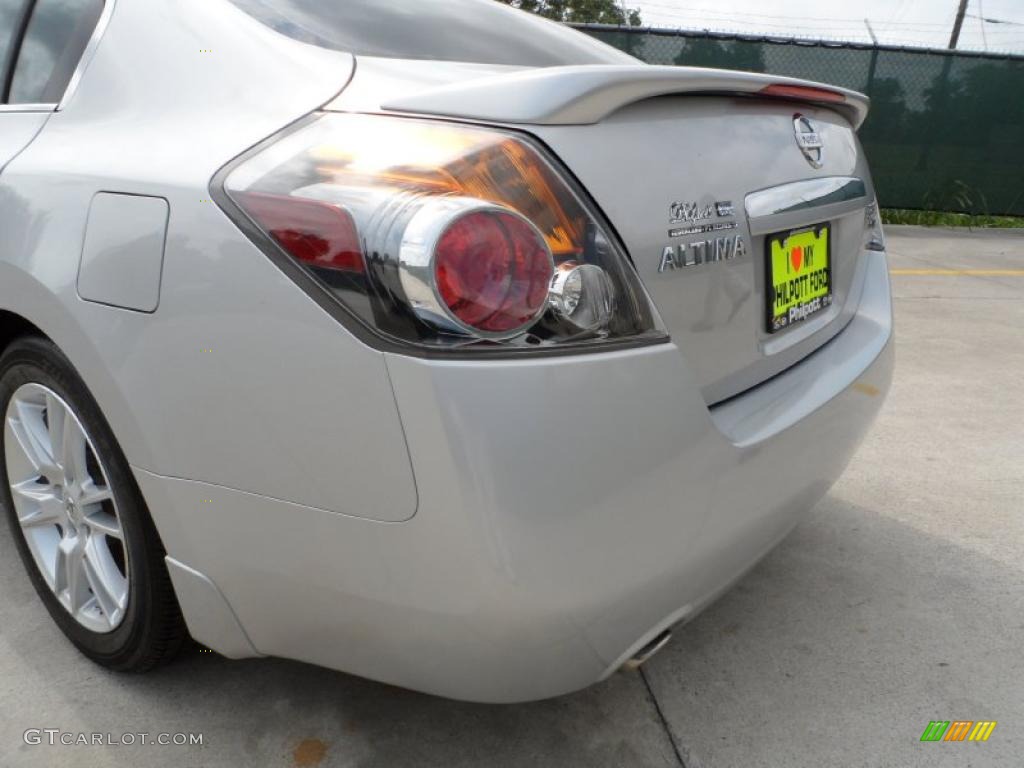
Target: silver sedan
[{"x": 426, "y": 340}]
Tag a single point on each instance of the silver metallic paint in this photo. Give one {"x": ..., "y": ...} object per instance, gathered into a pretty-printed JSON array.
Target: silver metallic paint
[
  {"x": 123, "y": 252},
  {"x": 520, "y": 577},
  {"x": 151, "y": 117},
  {"x": 584, "y": 95},
  {"x": 715, "y": 311},
  {"x": 566, "y": 509},
  {"x": 19, "y": 129},
  {"x": 90, "y": 50},
  {"x": 209, "y": 618}
]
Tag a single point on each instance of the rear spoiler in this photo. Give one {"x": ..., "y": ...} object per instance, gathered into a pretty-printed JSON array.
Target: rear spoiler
[{"x": 583, "y": 95}]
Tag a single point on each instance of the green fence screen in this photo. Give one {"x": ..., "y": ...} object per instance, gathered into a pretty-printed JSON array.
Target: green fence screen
[{"x": 946, "y": 130}]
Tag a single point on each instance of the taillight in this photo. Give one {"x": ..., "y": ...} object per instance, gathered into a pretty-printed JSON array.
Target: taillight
[
  {"x": 474, "y": 267},
  {"x": 442, "y": 235},
  {"x": 803, "y": 93},
  {"x": 315, "y": 233}
]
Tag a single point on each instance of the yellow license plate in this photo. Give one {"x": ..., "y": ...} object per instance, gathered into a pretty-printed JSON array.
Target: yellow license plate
[{"x": 800, "y": 276}]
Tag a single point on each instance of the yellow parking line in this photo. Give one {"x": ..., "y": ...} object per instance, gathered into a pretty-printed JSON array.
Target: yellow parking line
[{"x": 961, "y": 272}]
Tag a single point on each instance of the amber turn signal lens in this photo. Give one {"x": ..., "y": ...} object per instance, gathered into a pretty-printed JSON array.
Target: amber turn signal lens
[{"x": 422, "y": 157}]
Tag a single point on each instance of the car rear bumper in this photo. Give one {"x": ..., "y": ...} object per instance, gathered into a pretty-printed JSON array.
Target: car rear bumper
[{"x": 569, "y": 510}]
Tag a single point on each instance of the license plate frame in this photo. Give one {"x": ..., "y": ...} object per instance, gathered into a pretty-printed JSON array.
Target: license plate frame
[{"x": 808, "y": 289}]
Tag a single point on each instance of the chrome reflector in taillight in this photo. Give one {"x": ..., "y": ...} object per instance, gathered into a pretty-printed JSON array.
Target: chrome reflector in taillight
[
  {"x": 440, "y": 235},
  {"x": 582, "y": 295},
  {"x": 474, "y": 267}
]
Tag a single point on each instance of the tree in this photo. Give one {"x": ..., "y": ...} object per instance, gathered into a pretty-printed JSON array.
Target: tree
[
  {"x": 887, "y": 123},
  {"x": 581, "y": 11},
  {"x": 709, "y": 52}
]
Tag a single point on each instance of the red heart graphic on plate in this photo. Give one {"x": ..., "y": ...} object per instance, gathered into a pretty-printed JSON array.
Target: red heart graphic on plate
[{"x": 797, "y": 257}]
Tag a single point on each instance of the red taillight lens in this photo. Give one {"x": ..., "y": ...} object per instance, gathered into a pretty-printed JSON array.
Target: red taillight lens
[
  {"x": 318, "y": 234},
  {"x": 435, "y": 234},
  {"x": 803, "y": 93},
  {"x": 493, "y": 271}
]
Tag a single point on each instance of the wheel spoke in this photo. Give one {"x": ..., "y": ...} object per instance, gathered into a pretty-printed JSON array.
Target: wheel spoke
[
  {"x": 34, "y": 440},
  {"x": 33, "y": 490},
  {"x": 90, "y": 493},
  {"x": 108, "y": 586},
  {"x": 72, "y": 451},
  {"x": 68, "y": 573},
  {"x": 49, "y": 508},
  {"x": 103, "y": 523},
  {"x": 55, "y": 418},
  {"x": 45, "y": 515},
  {"x": 91, "y": 606}
]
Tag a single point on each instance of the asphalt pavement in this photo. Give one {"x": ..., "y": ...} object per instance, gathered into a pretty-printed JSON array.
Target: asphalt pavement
[{"x": 900, "y": 601}]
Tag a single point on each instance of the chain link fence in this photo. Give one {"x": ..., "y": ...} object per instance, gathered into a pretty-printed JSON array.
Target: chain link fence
[{"x": 946, "y": 130}]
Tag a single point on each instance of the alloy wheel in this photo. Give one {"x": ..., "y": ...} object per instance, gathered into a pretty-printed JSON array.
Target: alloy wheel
[{"x": 65, "y": 507}]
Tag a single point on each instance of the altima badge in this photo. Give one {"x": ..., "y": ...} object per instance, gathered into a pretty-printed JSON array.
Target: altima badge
[
  {"x": 702, "y": 252},
  {"x": 809, "y": 140}
]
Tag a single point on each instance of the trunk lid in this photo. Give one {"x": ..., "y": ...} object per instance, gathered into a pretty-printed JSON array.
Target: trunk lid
[
  {"x": 688, "y": 165},
  {"x": 692, "y": 175}
]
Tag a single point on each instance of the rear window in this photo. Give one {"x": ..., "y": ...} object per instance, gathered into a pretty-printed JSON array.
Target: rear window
[
  {"x": 57, "y": 34},
  {"x": 482, "y": 31},
  {"x": 10, "y": 18}
]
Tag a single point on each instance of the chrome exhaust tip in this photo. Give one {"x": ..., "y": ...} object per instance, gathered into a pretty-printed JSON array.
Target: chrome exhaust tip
[{"x": 638, "y": 659}]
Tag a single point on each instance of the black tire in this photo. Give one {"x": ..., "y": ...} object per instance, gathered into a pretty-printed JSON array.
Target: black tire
[{"x": 152, "y": 631}]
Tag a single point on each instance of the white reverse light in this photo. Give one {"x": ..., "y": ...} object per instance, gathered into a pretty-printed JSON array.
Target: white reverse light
[{"x": 582, "y": 295}]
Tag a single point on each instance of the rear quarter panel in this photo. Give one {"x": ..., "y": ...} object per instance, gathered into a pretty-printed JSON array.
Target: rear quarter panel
[{"x": 238, "y": 379}]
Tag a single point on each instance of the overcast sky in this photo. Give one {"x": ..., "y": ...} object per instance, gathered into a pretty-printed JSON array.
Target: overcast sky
[{"x": 901, "y": 22}]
